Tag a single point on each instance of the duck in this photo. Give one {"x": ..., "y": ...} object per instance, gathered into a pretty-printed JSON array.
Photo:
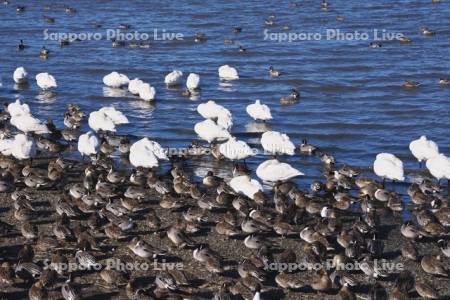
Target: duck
[
  {"x": 439, "y": 166},
  {"x": 173, "y": 78},
  {"x": 404, "y": 40},
  {"x": 425, "y": 290},
  {"x": 288, "y": 281},
  {"x": 259, "y": 111},
  {"x": 410, "y": 84},
  {"x": 228, "y": 73},
  {"x": 21, "y": 46},
  {"x": 321, "y": 281},
  {"x": 193, "y": 82},
  {"x": 20, "y": 75},
  {"x": 275, "y": 143},
  {"x": 307, "y": 148},
  {"x": 432, "y": 265},
  {"x": 241, "y": 49},
  {"x": 115, "y": 43},
  {"x": 209, "y": 131},
  {"x": 147, "y": 92},
  {"x": 273, "y": 171},
  {"x": 375, "y": 45},
  {"x": 115, "y": 80},
  {"x": 235, "y": 150},
  {"x": 444, "y": 81},
  {"x": 423, "y": 149},
  {"x": 245, "y": 185},
  {"x": 48, "y": 19},
  {"x": 273, "y": 72},
  {"x": 44, "y": 52},
  {"x": 427, "y": 31},
  {"x": 444, "y": 246},
  {"x": 293, "y": 97},
  {"x": 388, "y": 166},
  {"x": 199, "y": 37},
  {"x": 46, "y": 81}
]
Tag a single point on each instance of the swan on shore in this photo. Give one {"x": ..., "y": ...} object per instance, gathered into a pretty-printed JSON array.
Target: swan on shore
[
  {"x": 173, "y": 78},
  {"x": 98, "y": 120},
  {"x": 88, "y": 144},
  {"x": 259, "y": 111},
  {"x": 6, "y": 146},
  {"x": 115, "y": 80},
  {"x": 20, "y": 75},
  {"x": 228, "y": 73},
  {"x": 23, "y": 147},
  {"x": 115, "y": 115},
  {"x": 235, "y": 150},
  {"x": 193, "y": 82},
  {"x": 17, "y": 109},
  {"x": 388, "y": 166},
  {"x": 245, "y": 185},
  {"x": 46, "y": 81},
  {"x": 145, "y": 153},
  {"x": 423, "y": 149},
  {"x": 27, "y": 123},
  {"x": 209, "y": 131},
  {"x": 134, "y": 86},
  {"x": 439, "y": 166},
  {"x": 147, "y": 92},
  {"x": 275, "y": 142},
  {"x": 272, "y": 170}
]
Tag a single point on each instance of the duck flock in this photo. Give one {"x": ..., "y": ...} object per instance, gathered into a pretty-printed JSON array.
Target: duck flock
[{"x": 77, "y": 205}]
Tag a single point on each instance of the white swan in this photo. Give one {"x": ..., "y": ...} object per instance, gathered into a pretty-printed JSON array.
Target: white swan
[
  {"x": 272, "y": 170},
  {"x": 193, "y": 81},
  {"x": 423, "y": 149},
  {"x": 46, "y": 81},
  {"x": 209, "y": 131},
  {"x": 134, "y": 86},
  {"x": 439, "y": 166},
  {"x": 235, "y": 150},
  {"x": 88, "y": 144},
  {"x": 228, "y": 73},
  {"x": 115, "y": 80},
  {"x": 17, "y": 109},
  {"x": 115, "y": 115},
  {"x": 224, "y": 119},
  {"x": 100, "y": 121},
  {"x": 210, "y": 109},
  {"x": 259, "y": 111},
  {"x": 147, "y": 92},
  {"x": 6, "y": 146},
  {"x": 388, "y": 166},
  {"x": 20, "y": 75},
  {"x": 23, "y": 147},
  {"x": 275, "y": 142},
  {"x": 173, "y": 78},
  {"x": 245, "y": 185},
  {"x": 27, "y": 123},
  {"x": 145, "y": 153}
]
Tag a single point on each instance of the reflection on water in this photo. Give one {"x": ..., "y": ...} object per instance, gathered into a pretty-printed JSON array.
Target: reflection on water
[
  {"x": 257, "y": 127},
  {"x": 47, "y": 97},
  {"x": 113, "y": 92},
  {"x": 226, "y": 86}
]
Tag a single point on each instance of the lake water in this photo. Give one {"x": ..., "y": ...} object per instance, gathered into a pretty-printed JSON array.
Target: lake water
[{"x": 352, "y": 102}]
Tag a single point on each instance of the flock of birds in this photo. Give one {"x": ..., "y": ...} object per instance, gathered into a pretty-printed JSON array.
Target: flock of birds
[{"x": 101, "y": 207}]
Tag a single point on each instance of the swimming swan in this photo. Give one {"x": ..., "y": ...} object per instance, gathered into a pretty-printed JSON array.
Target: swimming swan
[
  {"x": 173, "y": 78},
  {"x": 259, "y": 111},
  {"x": 20, "y": 75},
  {"x": 228, "y": 73},
  {"x": 115, "y": 80},
  {"x": 45, "y": 81},
  {"x": 134, "y": 85},
  {"x": 147, "y": 92},
  {"x": 193, "y": 81}
]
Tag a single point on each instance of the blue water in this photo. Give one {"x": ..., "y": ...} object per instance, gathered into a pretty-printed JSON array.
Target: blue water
[{"x": 352, "y": 103}]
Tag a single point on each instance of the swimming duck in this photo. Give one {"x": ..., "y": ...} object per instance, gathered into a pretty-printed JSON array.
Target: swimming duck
[
  {"x": 404, "y": 40},
  {"x": 444, "y": 81},
  {"x": 242, "y": 49},
  {"x": 44, "y": 52},
  {"x": 375, "y": 45},
  {"x": 305, "y": 147},
  {"x": 293, "y": 97},
  {"x": 228, "y": 73},
  {"x": 273, "y": 72},
  {"x": 409, "y": 84},
  {"x": 200, "y": 37},
  {"x": 20, "y": 8},
  {"x": 21, "y": 46},
  {"x": 427, "y": 31},
  {"x": 49, "y": 19}
]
